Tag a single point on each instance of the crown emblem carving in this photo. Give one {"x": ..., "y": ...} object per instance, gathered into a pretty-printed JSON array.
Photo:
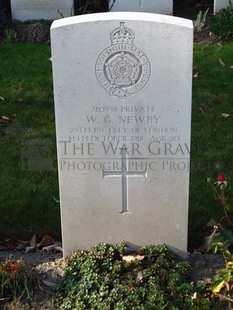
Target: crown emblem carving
[
  {"x": 122, "y": 69},
  {"x": 122, "y": 34}
]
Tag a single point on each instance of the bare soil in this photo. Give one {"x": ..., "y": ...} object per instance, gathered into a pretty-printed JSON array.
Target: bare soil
[{"x": 47, "y": 268}]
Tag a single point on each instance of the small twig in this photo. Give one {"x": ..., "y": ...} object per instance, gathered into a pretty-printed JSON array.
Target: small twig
[
  {"x": 215, "y": 190},
  {"x": 4, "y": 299},
  {"x": 222, "y": 199},
  {"x": 225, "y": 206},
  {"x": 60, "y": 13},
  {"x": 111, "y": 6},
  {"x": 72, "y": 10}
]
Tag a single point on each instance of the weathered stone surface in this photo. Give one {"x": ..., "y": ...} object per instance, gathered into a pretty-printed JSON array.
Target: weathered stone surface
[
  {"x": 220, "y": 4},
  {"x": 149, "y": 6},
  {"x": 41, "y": 9},
  {"x": 122, "y": 85}
]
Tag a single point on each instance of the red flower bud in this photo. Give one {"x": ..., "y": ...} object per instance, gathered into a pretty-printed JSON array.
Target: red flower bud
[{"x": 221, "y": 177}]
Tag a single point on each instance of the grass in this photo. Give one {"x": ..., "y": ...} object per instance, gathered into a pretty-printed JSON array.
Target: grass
[
  {"x": 27, "y": 188},
  {"x": 26, "y": 200},
  {"x": 212, "y": 140}
]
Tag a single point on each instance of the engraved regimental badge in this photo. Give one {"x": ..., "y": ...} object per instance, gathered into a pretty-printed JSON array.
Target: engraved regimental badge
[{"x": 122, "y": 69}]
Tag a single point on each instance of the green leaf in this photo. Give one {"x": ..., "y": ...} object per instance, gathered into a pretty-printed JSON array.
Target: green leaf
[
  {"x": 216, "y": 278},
  {"x": 217, "y": 286},
  {"x": 212, "y": 240},
  {"x": 227, "y": 275}
]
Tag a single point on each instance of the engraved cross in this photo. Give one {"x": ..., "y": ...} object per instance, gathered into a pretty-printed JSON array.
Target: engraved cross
[{"x": 124, "y": 173}]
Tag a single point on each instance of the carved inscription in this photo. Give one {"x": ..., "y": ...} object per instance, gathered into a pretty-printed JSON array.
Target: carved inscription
[
  {"x": 124, "y": 173},
  {"x": 122, "y": 69},
  {"x": 150, "y": 143}
]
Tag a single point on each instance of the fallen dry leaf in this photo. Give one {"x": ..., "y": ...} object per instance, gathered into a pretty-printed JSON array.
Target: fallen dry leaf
[
  {"x": 201, "y": 110},
  {"x": 139, "y": 277},
  {"x": 51, "y": 59},
  {"x": 5, "y": 118},
  {"x": 22, "y": 245},
  {"x": 56, "y": 200},
  {"x": 195, "y": 67},
  {"x": 58, "y": 249},
  {"x": 1, "y": 98},
  {"x": 33, "y": 241},
  {"x": 52, "y": 247},
  {"x": 195, "y": 75},
  {"x": 221, "y": 62},
  {"x": 29, "y": 248},
  {"x": 231, "y": 67},
  {"x": 49, "y": 284},
  {"x": 47, "y": 240},
  {"x": 227, "y": 286},
  {"x": 225, "y": 115},
  {"x": 32, "y": 245},
  {"x": 131, "y": 258}
]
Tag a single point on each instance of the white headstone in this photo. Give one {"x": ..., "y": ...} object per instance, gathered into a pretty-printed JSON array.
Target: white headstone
[
  {"x": 41, "y": 9},
  {"x": 122, "y": 85},
  {"x": 149, "y": 6},
  {"x": 220, "y": 4}
]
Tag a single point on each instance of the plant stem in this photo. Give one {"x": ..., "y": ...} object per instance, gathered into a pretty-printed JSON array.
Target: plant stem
[{"x": 222, "y": 199}]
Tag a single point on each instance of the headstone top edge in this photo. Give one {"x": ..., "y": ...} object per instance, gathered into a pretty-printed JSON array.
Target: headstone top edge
[{"x": 118, "y": 16}]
